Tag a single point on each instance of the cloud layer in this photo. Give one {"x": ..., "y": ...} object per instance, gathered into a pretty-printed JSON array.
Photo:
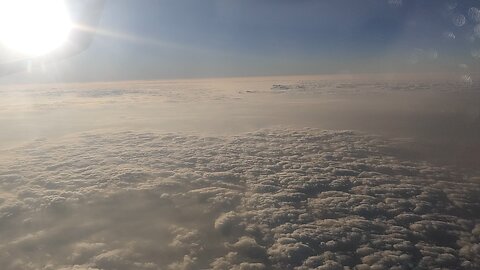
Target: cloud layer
[{"x": 272, "y": 199}]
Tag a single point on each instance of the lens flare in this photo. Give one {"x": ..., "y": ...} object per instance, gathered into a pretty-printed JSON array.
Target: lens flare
[{"x": 33, "y": 27}]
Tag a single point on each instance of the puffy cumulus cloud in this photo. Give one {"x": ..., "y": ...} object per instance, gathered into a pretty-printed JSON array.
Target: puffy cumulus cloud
[
  {"x": 245, "y": 253},
  {"x": 273, "y": 199},
  {"x": 287, "y": 252},
  {"x": 121, "y": 259},
  {"x": 228, "y": 223}
]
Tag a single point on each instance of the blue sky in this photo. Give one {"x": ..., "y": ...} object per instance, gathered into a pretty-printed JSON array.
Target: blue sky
[{"x": 216, "y": 38}]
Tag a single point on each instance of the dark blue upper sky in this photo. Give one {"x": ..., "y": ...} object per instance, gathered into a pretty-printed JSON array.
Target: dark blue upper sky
[{"x": 149, "y": 39}]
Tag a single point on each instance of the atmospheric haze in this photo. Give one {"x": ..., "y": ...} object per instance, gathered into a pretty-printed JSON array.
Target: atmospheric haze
[
  {"x": 190, "y": 135},
  {"x": 318, "y": 172}
]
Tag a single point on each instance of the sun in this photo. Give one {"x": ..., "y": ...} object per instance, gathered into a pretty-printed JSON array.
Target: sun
[{"x": 34, "y": 27}]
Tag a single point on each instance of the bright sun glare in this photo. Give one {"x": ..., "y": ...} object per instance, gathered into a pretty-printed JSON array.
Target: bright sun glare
[{"x": 33, "y": 27}]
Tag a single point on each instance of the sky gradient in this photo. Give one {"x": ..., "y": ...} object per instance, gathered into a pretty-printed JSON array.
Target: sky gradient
[{"x": 163, "y": 39}]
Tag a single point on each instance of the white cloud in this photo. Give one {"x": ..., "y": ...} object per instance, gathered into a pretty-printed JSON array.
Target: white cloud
[{"x": 273, "y": 199}]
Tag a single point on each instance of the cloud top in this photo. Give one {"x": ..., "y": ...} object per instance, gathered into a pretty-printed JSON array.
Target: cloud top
[{"x": 272, "y": 199}]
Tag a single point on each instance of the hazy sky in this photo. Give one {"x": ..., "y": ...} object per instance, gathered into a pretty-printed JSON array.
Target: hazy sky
[{"x": 152, "y": 39}]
